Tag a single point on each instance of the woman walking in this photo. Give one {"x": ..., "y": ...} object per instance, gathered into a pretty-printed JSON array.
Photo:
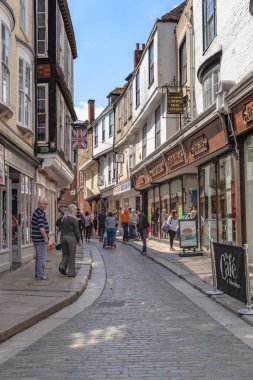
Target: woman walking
[
  {"x": 173, "y": 226},
  {"x": 110, "y": 224},
  {"x": 70, "y": 237},
  {"x": 87, "y": 225}
]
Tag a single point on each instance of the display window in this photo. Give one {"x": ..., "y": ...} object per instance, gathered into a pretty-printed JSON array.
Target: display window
[
  {"x": 248, "y": 159},
  {"x": 176, "y": 199},
  {"x": 4, "y": 222}
]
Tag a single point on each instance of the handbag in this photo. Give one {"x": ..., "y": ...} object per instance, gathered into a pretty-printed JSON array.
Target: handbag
[
  {"x": 58, "y": 244},
  {"x": 105, "y": 235},
  {"x": 58, "y": 247}
]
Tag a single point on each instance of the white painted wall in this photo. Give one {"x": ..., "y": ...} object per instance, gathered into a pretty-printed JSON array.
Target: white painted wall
[
  {"x": 234, "y": 37},
  {"x": 108, "y": 143}
]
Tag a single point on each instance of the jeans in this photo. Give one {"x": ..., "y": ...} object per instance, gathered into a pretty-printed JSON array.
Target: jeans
[
  {"x": 132, "y": 233},
  {"x": 125, "y": 229},
  {"x": 111, "y": 236},
  {"x": 101, "y": 230},
  {"x": 172, "y": 235},
  {"x": 41, "y": 250},
  {"x": 87, "y": 230},
  {"x": 143, "y": 233}
]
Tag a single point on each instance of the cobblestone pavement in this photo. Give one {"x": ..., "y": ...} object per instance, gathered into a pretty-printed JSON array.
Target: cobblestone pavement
[{"x": 140, "y": 328}]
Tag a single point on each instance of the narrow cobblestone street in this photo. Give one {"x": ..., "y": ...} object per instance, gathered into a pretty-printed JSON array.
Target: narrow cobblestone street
[{"x": 139, "y": 328}]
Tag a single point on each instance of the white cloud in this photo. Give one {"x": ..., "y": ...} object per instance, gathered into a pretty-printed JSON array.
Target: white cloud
[
  {"x": 82, "y": 110},
  {"x": 87, "y": 43}
]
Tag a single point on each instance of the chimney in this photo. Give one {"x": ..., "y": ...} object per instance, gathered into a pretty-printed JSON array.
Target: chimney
[
  {"x": 91, "y": 110},
  {"x": 143, "y": 47},
  {"x": 137, "y": 55}
]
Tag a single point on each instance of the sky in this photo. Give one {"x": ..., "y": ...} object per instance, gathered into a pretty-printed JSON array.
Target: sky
[{"x": 106, "y": 33}]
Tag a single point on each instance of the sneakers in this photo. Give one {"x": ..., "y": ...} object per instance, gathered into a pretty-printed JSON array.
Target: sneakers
[{"x": 42, "y": 278}]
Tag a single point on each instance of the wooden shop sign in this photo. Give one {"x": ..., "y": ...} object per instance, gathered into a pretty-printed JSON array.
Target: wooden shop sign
[
  {"x": 158, "y": 169},
  {"x": 247, "y": 113},
  {"x": 175, "y": 159},
  {"x": 140, "y": 181},
  {"x": 175, "y": 102},
  {"x": 199, "y": 145}
]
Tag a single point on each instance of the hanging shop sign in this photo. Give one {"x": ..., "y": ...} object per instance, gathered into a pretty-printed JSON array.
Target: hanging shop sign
[
  {"x": 175, "y": 159},
  {"x": 175, "y": 102},
  {"x": 230, "y": 270},
  {"x": 119, "y": 158},
  {"x": 79, "y": 138},
  {"x": 2, "y": 166},
  {"x": 141, "y": 180},
  {"x": 199, "y": 146},
  {"x": 247, "y": 113},
  {"x": 188, "y": 233}
]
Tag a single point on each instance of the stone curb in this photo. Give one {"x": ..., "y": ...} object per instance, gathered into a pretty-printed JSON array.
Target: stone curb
[{"x": 83, "y": 276}]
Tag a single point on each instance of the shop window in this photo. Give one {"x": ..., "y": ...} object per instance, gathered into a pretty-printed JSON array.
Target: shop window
[
  {"x": 227, "y": 200},
  {"x": 4, "y": 220},
  {"x": 208, "y": 205},
  {"x": 176, "y": 200},
  {"x": 248, "y": 158},
  {"x": 26, "y": 209}
]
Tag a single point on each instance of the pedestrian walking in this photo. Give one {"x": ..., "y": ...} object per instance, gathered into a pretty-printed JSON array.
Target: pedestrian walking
[
  {"x": 101, "y": 224},
  {"x": 133, "y": 221},
  {"x": 173, "y": 226},
  {"x": 87, "y": 225},
  {"x": 142, "y": 227},
  {"x": 80, "y": 219},
  {"x": 70, "y": 237},
  {"x": 124, "y": 223},
  {"x": 58, "y": 225},
  {"x": 110, "y": 225},
  {"x": 40, "y": 238},
  {"x": 95, "y": 224}
]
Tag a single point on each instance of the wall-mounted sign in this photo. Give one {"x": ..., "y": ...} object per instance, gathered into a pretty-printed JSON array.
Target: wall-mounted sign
[
  {"x": 199, "y": 145},
  {"x": 247, "y": 113},
  {"x": 158, "y": 169},
  {"x": 176, "y": 159},
  {"x": 140, "y": 180},
  {"x": 122, "y": 188},
  {"x": 175, "y": 102},
  {"x": 119, "y": 158},
  {"x": 2, "y": 166}
]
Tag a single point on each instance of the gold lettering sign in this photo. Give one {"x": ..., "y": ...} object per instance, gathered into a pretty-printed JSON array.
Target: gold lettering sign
[
  {"x": 157, "y": 169},
  {"x": 175, "y": 102},
  {"x": 199, "y": 145},
  {"x": 141, "y": 180},
  {"x": 176, "y": 159},
  {"x": 247, "y": 113}
]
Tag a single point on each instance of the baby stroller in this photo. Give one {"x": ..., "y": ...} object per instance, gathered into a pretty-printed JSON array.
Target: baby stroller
[
  {"x": 137, "y": 234},
  {"x": 105, "y": 241}
]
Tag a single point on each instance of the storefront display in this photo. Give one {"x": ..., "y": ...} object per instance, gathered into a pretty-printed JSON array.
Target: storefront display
[{"x": 248, "y": 159}]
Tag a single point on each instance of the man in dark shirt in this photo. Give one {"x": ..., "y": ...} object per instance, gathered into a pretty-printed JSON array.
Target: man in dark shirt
[
  {"x": 101, "y": 224},
  {"x": 40, "y": 232}
]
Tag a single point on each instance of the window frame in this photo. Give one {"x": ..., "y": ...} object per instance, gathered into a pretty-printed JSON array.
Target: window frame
[
  {"x": 209, "y": 23},
  {"x": 95, "y": 136},
  {"x": 211, "y": 72},
  {"x": 111, "y": 123},
  {"x": 103, "y": 129},
  {"x": 23, "y": 15},
  {"x": 25, "y": 101},
  {"x": 183, "y": 62},
  {"x": 158, "y": 127},
  {"x": 5, "y": 67},
  {"x": 137, "y": 89},
  {"x": 151, "y": 58},
  {"x": 44, "y": 26},
  {"x": 45, "y": 86},
  {"x": 144, "y": 141}
]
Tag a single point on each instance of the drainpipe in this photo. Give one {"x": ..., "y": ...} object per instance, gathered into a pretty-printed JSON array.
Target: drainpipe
[{"x": 189, "y": 16}]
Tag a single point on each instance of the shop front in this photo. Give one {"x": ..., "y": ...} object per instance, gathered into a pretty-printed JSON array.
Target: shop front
[
  {"x": 243, "y": 126},
  {"x": 126, "y": 197},
  {"x": 17, "y": 200}
]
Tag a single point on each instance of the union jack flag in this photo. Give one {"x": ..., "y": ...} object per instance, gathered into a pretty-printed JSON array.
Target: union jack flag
[{"x": 79, "y": 138}]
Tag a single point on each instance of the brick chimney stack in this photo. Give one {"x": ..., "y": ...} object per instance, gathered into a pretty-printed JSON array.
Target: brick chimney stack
[
  {"x": 91, "y": 110},
  {"x": 137, "y": 54}
]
